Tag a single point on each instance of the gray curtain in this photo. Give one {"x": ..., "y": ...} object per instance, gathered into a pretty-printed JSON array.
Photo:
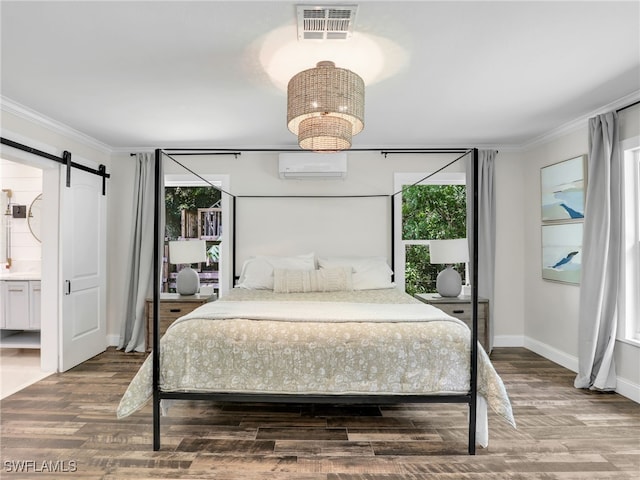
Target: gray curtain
[
  {"x": 139, "y": 281},
  {"x": 486, "y": 226},
  {"x": 601, "y": 257}
]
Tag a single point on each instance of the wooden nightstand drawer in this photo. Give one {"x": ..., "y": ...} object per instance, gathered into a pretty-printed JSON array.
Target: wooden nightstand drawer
[
  {"x": 460, "y": 307},
  {"x": 174, "y": 310},
  {"x": 461, "y": 311},
  {"x": 172, "y": 307}
]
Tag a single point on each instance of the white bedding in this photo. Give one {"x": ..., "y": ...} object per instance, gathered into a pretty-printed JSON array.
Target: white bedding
[{"x": 371, "y": 342}]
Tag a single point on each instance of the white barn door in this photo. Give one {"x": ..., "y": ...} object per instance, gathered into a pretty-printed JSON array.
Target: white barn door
[{"x": 83, "y": 265}]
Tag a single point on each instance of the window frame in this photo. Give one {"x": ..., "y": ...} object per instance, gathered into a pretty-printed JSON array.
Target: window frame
[
  {"x": 629, "y": 295},
  {"x": 401, "y": 180}
]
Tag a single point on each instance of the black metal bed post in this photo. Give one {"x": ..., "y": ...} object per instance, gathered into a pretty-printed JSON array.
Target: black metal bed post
[
  {"x": 156, "y": 301},
  {"x": 233, "y": 241},
  {"x": 473, "y": 391},
  {"x": 393, "y": 237}
]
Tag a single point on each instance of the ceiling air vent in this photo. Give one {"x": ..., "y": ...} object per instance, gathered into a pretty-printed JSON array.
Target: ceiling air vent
[{"x": 333, "y": 22}]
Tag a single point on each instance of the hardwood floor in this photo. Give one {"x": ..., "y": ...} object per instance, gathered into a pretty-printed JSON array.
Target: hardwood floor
[{"x": 66, "y": 423}]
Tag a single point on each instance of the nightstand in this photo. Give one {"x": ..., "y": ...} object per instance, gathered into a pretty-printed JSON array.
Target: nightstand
[
  {"x": 460, "y": 307},
  {"x": 172, "y": 307}
]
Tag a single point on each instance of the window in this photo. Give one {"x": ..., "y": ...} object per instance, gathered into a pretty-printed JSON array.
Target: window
[
  {"x": 435, "y": 209},
  {"x": 629, "y": 307},
  {"x": 194, "y": 209},
  {"x": 193, "y": 212}
]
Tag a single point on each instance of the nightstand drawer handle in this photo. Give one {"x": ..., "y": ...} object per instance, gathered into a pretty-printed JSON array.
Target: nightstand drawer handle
[
  {"x": 458, "y": 311},
  {"x": 174, "y": 310}
]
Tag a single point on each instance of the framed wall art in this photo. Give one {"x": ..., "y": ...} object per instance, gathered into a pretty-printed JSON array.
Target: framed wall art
[
  {"x": 562, "y": 190},
  {"x": 562, "y": 252}
]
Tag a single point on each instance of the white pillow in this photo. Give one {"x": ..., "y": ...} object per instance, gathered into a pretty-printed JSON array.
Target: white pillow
[
  {"x": 369, "y": 273},
  {"x": 325, "y": 280},
  {"x": 257, "y": 272}
]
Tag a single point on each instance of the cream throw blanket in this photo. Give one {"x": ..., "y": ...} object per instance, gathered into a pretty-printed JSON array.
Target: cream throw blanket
[{"x": 320, "y": 312}]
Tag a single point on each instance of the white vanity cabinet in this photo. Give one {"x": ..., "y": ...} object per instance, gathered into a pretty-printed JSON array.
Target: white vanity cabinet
[
  {"x": 34, "y": 305},
  {"x": 20, "y": 313}
]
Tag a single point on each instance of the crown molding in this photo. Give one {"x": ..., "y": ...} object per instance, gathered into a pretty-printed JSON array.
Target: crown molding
[
  {"x": 12, "y": 107},
  {"x": 9, "y": 106},
  {"x": 580, "y": 122}
]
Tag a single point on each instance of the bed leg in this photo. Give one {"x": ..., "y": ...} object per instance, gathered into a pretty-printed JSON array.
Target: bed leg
[
  {"x": 156, "y": 421},
  {"x": 472, "y": 425}
]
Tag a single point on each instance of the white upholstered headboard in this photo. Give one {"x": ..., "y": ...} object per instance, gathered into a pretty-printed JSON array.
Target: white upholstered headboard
[{"x": 346, "y": 225}]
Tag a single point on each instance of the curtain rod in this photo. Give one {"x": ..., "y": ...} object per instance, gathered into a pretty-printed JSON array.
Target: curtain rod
[
  {"x": 383, "y": 152},
  {"x": 628, "y": 106},
  {"x": 198, "y": 175},
  {"x": 433, "y": 173},
  {"x": 238, "y": 151}
]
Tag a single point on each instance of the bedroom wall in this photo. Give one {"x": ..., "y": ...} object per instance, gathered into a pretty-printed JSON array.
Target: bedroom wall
[
  {"x": 508, "y": 305},
  {"x": 551, "y": 309}
]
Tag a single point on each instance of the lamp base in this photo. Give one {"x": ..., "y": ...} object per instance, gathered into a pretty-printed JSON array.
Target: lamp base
[
  {"x": 187, "y": 281},
  {"x": 448, "y": 282}
]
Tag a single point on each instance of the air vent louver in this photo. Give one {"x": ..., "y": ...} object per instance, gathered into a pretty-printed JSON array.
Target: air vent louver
[{"x": 333, "y": 22}]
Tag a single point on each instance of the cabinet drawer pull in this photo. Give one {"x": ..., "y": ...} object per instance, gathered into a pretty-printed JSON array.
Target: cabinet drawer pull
[
  {"x": 458, "y": 311},
  {"x": 174, "y": 310}
]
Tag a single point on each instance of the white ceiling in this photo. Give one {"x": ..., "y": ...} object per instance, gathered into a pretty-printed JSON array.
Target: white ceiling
[{"x": 192, "y": 74}]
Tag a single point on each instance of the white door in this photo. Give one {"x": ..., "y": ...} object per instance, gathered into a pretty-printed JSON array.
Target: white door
[{"x": 83, "y": 331}]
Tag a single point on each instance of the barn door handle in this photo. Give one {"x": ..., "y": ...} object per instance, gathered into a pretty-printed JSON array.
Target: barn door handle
[{"x": 67, "y": 287}]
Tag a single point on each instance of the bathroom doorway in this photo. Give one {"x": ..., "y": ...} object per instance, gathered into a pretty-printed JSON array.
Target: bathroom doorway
[{"x": 21, "y": 362}]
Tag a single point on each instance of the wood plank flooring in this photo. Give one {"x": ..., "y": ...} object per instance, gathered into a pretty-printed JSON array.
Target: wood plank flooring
[{"x": 65, "y": 427}]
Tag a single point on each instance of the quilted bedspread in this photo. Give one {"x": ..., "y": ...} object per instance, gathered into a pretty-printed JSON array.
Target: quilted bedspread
[{"x": 217, "y": 348}]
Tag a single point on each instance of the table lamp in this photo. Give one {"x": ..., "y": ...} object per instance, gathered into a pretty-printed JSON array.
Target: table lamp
[
  {"x": 186, "y": 252},
  {"x": 449, "y": 252}
]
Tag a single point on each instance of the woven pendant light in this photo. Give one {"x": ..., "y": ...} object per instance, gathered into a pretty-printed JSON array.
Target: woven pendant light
[{"x": 325, "y": 107}]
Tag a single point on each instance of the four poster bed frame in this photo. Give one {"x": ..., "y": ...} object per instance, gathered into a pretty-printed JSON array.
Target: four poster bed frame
[{"x": 468, "y": 398}]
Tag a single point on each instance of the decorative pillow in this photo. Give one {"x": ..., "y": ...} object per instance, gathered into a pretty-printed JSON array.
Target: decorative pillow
[
  {"x": 257, "y": 272},
  {"x": 369, "y": 273},
  {"x": 325, "y": 280}
]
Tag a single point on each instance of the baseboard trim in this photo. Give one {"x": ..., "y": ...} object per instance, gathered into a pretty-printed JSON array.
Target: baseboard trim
[
  {"x": 624, "y": 387},
  {"x": 113, "y": 340},
  {"x": 628, "y": 389},
  {"x": 551, "y": 353}
]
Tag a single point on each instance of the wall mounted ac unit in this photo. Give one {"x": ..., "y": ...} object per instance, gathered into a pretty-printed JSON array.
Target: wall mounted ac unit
[{"x": 312, "y": 165}]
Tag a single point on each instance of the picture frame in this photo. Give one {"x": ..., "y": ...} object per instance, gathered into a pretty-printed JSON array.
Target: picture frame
[
  {"x": 562, "y": 190},
  {"x": 562, "y": 252}
]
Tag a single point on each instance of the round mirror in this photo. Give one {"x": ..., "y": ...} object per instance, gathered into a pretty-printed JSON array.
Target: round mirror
[{"x": 35, "y": 217}]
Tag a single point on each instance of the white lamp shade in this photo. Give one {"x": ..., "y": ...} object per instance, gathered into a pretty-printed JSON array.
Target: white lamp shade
[
  {"x": 449, "y": 251},
  {"x": 187, "y": 252}
]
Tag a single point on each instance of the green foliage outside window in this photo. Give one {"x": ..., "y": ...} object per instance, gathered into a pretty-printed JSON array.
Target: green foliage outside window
[
  {"x": 185, "y": 198},
  {"x": 430, "y": 212}
]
